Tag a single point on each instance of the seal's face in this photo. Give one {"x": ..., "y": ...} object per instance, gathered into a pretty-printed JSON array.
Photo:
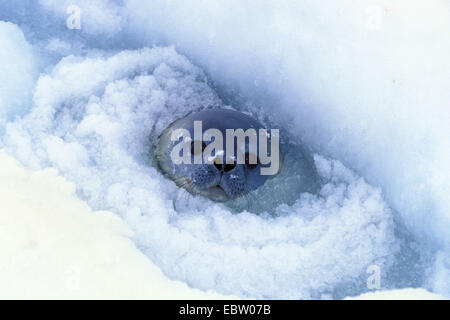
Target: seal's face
[{"x": 220, "y": 177}]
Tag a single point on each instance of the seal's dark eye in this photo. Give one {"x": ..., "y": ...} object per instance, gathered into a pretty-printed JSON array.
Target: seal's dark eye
[
  {"x": 203, "y": 146},
  {"x": 253, "y": 164}
]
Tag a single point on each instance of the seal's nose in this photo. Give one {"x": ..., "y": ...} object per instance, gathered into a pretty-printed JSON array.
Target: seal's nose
[
  {"x": 229, "y": 167},
  {"x": 218, "y": 165},
  {"x": 223, "y": 168}
]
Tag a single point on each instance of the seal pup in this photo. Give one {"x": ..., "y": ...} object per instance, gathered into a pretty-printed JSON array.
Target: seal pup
[{"x": 221, "y": 177}]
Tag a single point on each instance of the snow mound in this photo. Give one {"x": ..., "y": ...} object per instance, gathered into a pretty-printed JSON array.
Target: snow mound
[
  {"x": 17, "y": 72},
  {"x": 96, "y": 118},
  {"x": 55, "y": 247}
]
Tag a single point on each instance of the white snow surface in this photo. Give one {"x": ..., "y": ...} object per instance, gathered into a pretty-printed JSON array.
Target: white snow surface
[
  {"x": 55, "y": 247},
  {"x": 17, "y": 72}
]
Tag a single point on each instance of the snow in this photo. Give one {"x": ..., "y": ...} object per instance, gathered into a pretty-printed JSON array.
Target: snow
[
  {"x": 102, "y": 144},
  {"x": 402, "y": 294},
  {"x": 363, "y": 86},
  {"x": 17, "y": 72},
  {"x": 75, "y": 252}
]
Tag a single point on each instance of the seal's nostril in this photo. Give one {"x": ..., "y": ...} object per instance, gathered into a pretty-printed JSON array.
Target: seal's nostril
[
  {"x": 229, "y": 167},
  {"x": 218, "y": 165}
]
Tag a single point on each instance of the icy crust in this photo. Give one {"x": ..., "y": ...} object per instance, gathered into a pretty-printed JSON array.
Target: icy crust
[
  {"x": 17, "y": 72},
  {"x": 95, "y": 119}
]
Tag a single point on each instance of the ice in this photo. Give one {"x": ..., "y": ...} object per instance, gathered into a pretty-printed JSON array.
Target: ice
[
  {"x": 17, "y": 72},
  {"x": 364, "y": 86},
  {"x": 95, "y": 119},
  {"x": 364, "y": 83},
  {"x": 104, "y": 18},
  {"x": 403, "y": 294},
  {"x": 55, "y": 247},
  {"x": 441, "y": 273}
]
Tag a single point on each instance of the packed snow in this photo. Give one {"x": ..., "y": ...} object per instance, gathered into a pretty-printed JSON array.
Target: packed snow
[
  {"x": 18, "y": 72},
  {"x": 74, "y": 252}
]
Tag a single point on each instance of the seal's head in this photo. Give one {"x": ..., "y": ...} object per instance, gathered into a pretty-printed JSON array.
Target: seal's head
[{"x": 218, "y": 173}]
